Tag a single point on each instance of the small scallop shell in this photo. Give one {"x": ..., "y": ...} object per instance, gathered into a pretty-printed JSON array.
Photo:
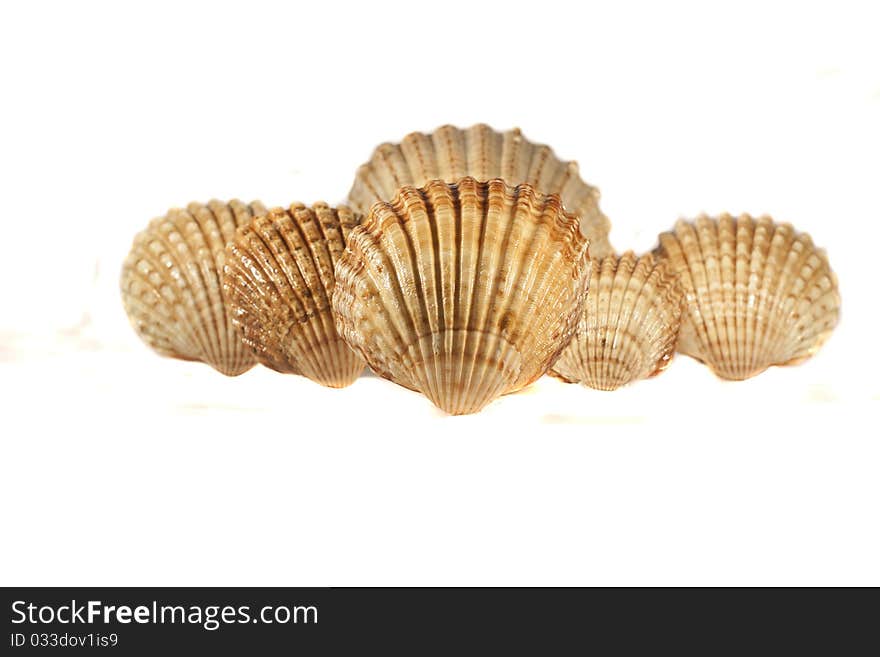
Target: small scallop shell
[
  {"x": 462, "y": 291},
  {"x": 629, "y": 326},
  {"x": 278, "y": 281},
  {"x": 171, "y": 285},
  {"x": 451, "y": 153},
  {"x": 757, "y": 293}
]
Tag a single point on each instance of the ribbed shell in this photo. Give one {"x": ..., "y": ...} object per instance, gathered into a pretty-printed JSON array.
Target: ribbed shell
[
  {"x": 278, "y": 281},
  {"x": 451, "y": 153},
  {"x": 171, "y": 286},
  {"x": 629, "y": 326},
  {"x": 462, "y": 291},
  {"x": 757, "y": 293}
]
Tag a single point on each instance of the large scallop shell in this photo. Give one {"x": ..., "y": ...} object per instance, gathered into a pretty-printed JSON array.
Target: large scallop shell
[
  {"x": 629, "y": 326},
  {"x": 757, "y": 293},
  {"x": 171, "y": 285},
  {"x": 451, "y": 153},
  {"x": 278, "y": 281},
  {"x": 462, "y": 291}
]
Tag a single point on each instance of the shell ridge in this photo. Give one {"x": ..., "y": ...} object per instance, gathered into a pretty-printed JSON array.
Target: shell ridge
[
  {"x": 247, "y": 298},
  {"x": 495, "y": 263},
  {"x": 226, "y": 329},
  {"x": 670, "y": 307},
  {"x": 726, "y": 274},
  {"x": 284, "y": 301},
  {"x": 439, "y": 330},
  {"x": 405, "y": 260},
  {"x": 159, "y": 334},
  {"x": 619, "y": 274},
  {"x": 634, "y": 293},
  {"x": 227, "y": 218},
  {"x": 769, "y": 249},
  {"x": 544, "y": 264},
  {"x": 707, "y": 232},
  {"x": 192, "y": 279},
  {"x": 484, "y": 218},
  {"x": 424, "y": 169},
  {"x": 320, "y": 261},
  {"x": 781, "y": 340},
  {"x": 543, "y": 313},
  {"x": 757, "y": 264},
  {"x": 607, "y": 272},
  {"x": 571, "y": 313},
  {"x": 479, "y": 341},
  {"x": 205, "y": 220},
  {"x": 777, "y": 255},
  {"x": 313, "y": 294},
  {"x": 694, "y": 267},
  {"x": 331, "y": 226},
  {"x": 669, "y": 250},
  {"x": 280, "y": 299},
  {"x": 569, "y": 324},
  {"x": 791, "y": 342},
  {"x": 741, "y": 278},
  {"x": 533, "y": 234},
  {"x": 475, "y": 214},
  {"x": 513, "y": 144},
  {"x": 174, "y": 335},
  {"x": 186, "y": 254},
  {"x": 240, "y": 214},
  {"x": 454, "y": 341},
  {"x": 368, "y": 246}
]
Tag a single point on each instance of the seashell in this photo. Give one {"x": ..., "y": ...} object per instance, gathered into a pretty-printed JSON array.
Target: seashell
[
  {"x": 757, "y": 293},
  {"x": 462, "y": 291},
  {"x": 451, "y": 153},
  {"x": 278, "y": 282},
  {"x": 629, "y": 326},
  {"x": 171, "y": 285}
]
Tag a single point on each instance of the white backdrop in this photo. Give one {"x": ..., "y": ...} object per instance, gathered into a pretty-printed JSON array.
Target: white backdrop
[{"x": 120, "y": 468}]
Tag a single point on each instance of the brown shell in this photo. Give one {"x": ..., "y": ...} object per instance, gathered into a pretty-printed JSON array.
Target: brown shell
[
  {"x": 757, "y": 293},
  {"x": 629, "y": 326},
  {"x": 451, "y": 153},
  {"x": 278, "y": 282},
  {"x": 462, "y": 291},
  {"x": 171, "y": 285}
]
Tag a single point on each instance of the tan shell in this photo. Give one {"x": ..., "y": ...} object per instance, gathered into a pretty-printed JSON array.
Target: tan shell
[
  {"x": 757, "y": 293},
  {"x": 171, "y": 286},
  {"x": 462, "y": 291},
  {"x": 278, "y": 281},
  {"x": 629, "y": 326},
  {"x": 451, "y": 153}
]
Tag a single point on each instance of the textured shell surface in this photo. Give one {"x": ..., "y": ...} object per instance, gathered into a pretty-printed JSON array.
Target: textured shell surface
[
  {"x": 171, "y": 284},
  {"x": 278, "y": 282},
  {"x": 629, "y": 327},
  {"x": 451, "y": 153},
  {"x": 757, "y": 293},
  {"x": 462, "y": 291}
]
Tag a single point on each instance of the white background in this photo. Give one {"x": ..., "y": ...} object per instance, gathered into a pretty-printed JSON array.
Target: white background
[{"x": 120, "y": 468}]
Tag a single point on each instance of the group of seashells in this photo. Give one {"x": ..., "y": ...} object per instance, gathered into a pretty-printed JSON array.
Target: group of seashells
[{"x": 467, "y": 264}]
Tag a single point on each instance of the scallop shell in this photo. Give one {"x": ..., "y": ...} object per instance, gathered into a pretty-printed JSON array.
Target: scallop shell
[
  {"x": 171, "y": 285},
  {"x": 462, "y": 291},
  {"x": 629, "y": 326},
  {"x": 451, "y": 153},
  {"x": 757, "y": 293},
  {"x": 278, "y": 282}
]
